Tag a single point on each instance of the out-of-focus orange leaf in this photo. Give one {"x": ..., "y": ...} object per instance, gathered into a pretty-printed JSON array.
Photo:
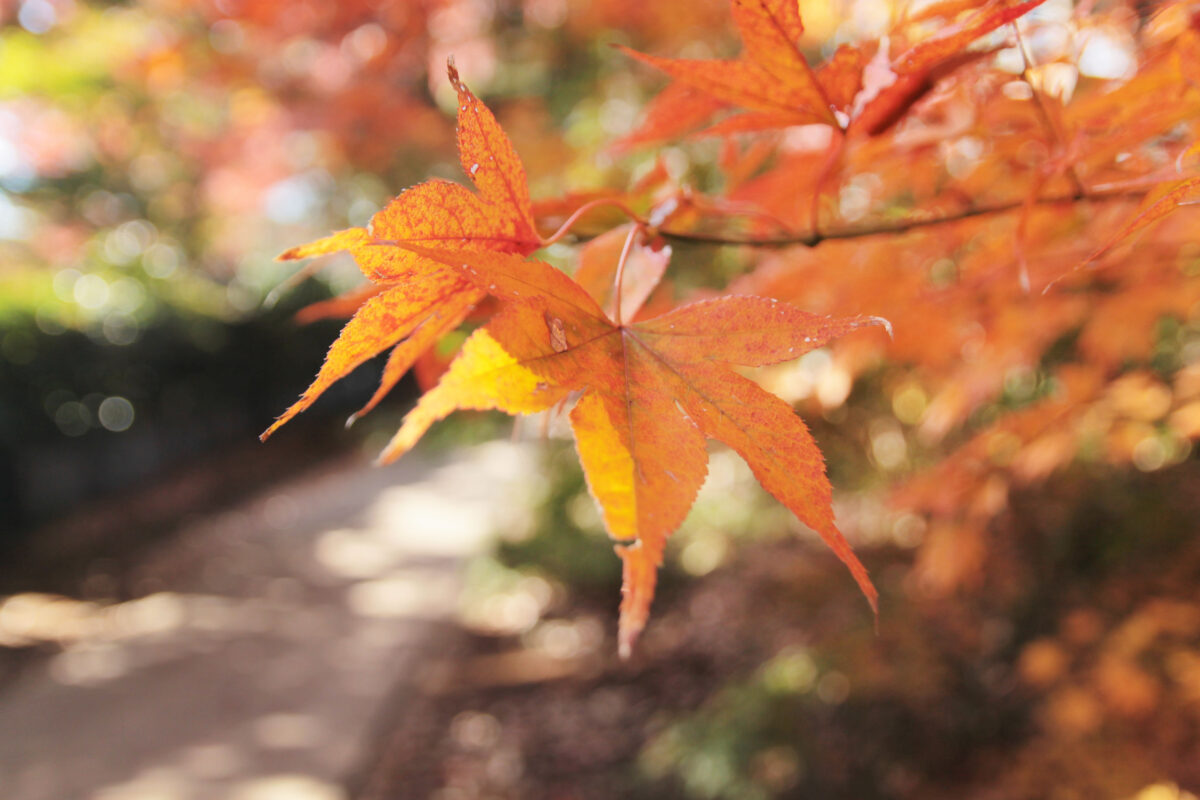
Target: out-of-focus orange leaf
[
  {"x": 889, "y": 91},
  {"x": 842, "y": 76},
  {"x": 644, "y": 269},
  {"x": 651, "y": 392},
  {"x": 340, "y": 307},
  {"x": 953, "y": 39},
  {"x": 772, "y": 77},
  {"x": 1158, "y": 204},
  {"x": 676, "y": 110}
]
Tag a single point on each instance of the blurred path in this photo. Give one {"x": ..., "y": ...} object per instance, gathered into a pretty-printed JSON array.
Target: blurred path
[{"x": 266, "y": 639}]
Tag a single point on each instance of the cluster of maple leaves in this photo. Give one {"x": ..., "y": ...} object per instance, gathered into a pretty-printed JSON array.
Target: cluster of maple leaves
[{"x": 650, "y": 382}]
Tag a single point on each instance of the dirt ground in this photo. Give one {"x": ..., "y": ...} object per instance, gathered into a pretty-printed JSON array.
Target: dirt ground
[{"x": 1069, "y": 668}]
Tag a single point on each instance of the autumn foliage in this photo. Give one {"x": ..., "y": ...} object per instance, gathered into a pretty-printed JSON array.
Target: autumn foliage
[{"x": 1019, "y": 227}]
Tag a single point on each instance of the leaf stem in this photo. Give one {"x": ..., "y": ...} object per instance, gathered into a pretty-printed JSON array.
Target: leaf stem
[
  {"x": 565, "y": 228},
  {"x": 633, "y": 232}
]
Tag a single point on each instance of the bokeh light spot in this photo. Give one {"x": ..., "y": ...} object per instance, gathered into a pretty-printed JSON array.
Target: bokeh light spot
[{"x": 116, "y": 414}]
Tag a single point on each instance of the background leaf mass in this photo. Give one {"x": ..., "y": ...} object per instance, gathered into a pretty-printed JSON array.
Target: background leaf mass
[{"x": 924, "y": 145}]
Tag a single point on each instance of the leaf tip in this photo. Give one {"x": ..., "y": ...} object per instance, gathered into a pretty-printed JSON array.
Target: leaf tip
[
  {"x": 639, "y": 572},
  {"x": 873, "y": 601},
  {"x": 277, "y": 424},
  {"x": 883, "y": 323},
  {"x": 628, "y": 632},
  {"x": 390, "y": 453},
  {"x": 452, "y": 72}
]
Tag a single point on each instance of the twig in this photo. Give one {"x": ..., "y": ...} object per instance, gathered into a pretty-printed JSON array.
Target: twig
[
  {"x": 565, "y": 228},
  {"x": 903, "y": 226}
]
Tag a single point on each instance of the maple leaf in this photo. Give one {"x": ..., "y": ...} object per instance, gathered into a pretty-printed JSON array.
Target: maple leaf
[
  {"x": 772, "y": 78},
  {"x": 649, "y": 394},
  {"x": 676, "y": 110},
  {"x": 415, "y": 301}
]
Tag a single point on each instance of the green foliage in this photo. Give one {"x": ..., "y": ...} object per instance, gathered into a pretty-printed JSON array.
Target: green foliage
[{"x": 567, "y": 542}]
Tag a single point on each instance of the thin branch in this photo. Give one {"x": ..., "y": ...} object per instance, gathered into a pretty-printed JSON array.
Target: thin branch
[
  {"x": 728, "y": 208},
  {"x": 902, "y": 226}
]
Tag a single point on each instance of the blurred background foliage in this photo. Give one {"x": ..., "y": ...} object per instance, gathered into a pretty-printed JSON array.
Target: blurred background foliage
[{"x": 155, "y": 156}]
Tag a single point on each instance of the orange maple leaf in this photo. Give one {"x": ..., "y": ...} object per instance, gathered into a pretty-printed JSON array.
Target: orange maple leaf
[
  {"x": 772, "y": 79},
  {"x": 649, "y": 394},
  {"x": 414, "y": 301}
]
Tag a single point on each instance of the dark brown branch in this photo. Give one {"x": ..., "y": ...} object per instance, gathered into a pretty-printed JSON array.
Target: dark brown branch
[{"x": 902, "y": 226}]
